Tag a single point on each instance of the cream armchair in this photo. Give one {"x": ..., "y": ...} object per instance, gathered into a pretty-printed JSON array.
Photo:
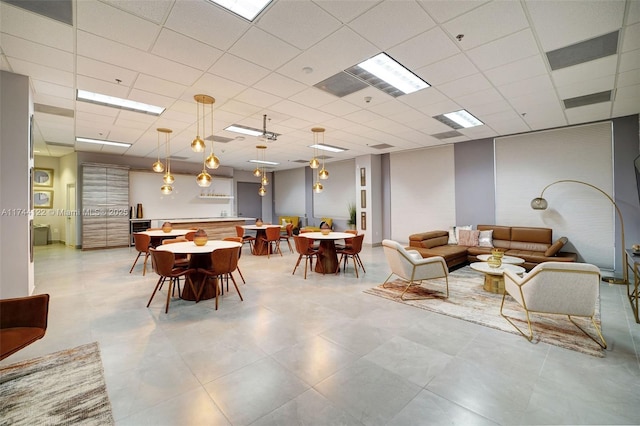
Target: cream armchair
[
  {"x": 561, "y": 288},
  {"x": 411, "y": 267}
]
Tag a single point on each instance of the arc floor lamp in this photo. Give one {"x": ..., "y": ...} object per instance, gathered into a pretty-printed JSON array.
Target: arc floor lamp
[{"x": 540, "y": 203}]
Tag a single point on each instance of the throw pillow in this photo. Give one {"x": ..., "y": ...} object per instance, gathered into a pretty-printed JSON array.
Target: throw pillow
[
  {"x": 468, "y": 238},
  {"x": 452, "y": 235},
  {"x": 461, "y": 228},
  {"x": 485, "y": 239},
  {"x": 555, "y": 247}
]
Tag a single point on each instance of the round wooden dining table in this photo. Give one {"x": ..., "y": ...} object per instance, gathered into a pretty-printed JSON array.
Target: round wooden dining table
[
  {"x": 260, "y": 246},
  {"x": 200, "y": 258},
  {"x": 328, "y": 255}
]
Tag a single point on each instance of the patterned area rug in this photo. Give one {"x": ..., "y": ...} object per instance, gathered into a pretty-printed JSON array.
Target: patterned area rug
[
  {"x": 62, "y": 388},
  {"x": 468, "y": 301}
]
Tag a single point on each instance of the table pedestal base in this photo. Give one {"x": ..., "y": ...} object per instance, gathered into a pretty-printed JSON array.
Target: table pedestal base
[{"x": 493, "y": 283}]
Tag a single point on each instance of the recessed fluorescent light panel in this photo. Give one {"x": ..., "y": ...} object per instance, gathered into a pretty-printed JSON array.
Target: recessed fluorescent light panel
[
  {"x": 103, "y": 142},
  {"x": 385, "y": 69},
  {"x": 326, "y": 147},
  {"x": 244, "y": 130},
  {"x": 459, "y": 119},
  {"x": 112, "y": 101},
  {"x": 248, "y": 9},
  {"x": 270, "y": 163}
]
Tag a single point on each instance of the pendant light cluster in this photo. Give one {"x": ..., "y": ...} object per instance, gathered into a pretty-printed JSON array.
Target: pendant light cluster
[
  {"x": 198, "y": 145},
  {"x": 322, "y": 173},
  {"x": 168, "y": 178},
  {"x": 261, "y": 173}
]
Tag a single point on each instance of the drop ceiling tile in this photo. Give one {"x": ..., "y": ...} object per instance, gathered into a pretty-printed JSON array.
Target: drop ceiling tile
[
  {"x": 152, "y": 84},
  {"x": 344, "y": 47},
  {"x": 278, "y": 84},
  {"x": 486, "y": 108},
  {"x": 505, "y": 50},
  {"x": 242, "y": 109},
  {"x": 440, "y": 108},
  {"x": 449, "y": 69},
  {"x": 127, "y": 57},
  {"x": 630, "y": 38},
  {"x": 633, "y": 16},
  {"x": 582, "y": 88},
  {"x": 487, "y": 23},
  {"x": 374, "y": 23},
  {"x": 465, "y": 86},
  {"x": 313, "y": 97},
  {"x": 36, "y": 28},
  {"x": 112, "y": 23},
  {"x": 151, "y": 98},
  {"x": 529, "y": 86},
  {"x": 37, "y": 53},
  {"x": 300, "y": 111},
  {"x": 519, "y": 70},
  {"x": 510, "y": 127},
  {"x": 560, "y": 23},
  {"x": 152, "y": 10},
  {"x": 587, "y": 113},
  {"x": 216, "y": 86},
  {"x": 628, "y": 78},
  {"x": 423, "y": 98},
  {"x": 629, "y": 92},
  {"x": 104, "y": 71},
  {"x": 345, "y": 11},
  {"x": 443, "y": 11},
  {"x": 258, "y": 97},
  {"x": 284, "y": 20},
  {"x": 102, "y": 86},
  {"x": 583, "y": 72},
  {"x": 177, "y": 47},
  {"x": 206, "y": 22},
  {"x": 527, "y": 102},
  {"x": 55, "y": 101},
  {"x": 433, "y": 45},
  {"x": 627, "y": 105},
  {"x": 239, "y": 70},
  {"x": 262, "y": 48},
  {"x": 41, "y": 72},
  {"x": 630, "y": 61},
  {"x": 43, "y": 88}
]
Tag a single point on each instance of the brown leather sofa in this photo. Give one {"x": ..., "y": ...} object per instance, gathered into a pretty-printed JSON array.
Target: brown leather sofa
[{"x": 534, "y": 245}]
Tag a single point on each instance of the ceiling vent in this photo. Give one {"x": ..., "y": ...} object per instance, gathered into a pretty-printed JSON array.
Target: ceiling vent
[
  {"x": 341, "y": 84},
  {"x": 176, "y": 157},
  {"x": 60, "y": 10},
  {"x": 441, "y": 118},
  {"x": 220, "y": 139},
  {"x": 374, "y": 81},
  {"x": 594, "y": 98},
  {"x": 381, "y": 146},
  {"x": 300, "y": 161},
  {"x": 49, "y": 109},
  {"x": 66, "y": 145},
  {"x": 584, "y": 51},
  {"x": 447, "y": 135}
]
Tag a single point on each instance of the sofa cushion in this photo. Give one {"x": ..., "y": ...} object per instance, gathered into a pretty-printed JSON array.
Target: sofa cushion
[
  {"x": 528, "y": 246},
  {"x": 556, "y": 247},
  {"x": 428, "y": 239},
  {"x": 468, "y": 238},
  {"x": 532, "y": 235},
  {"x": 485, "y": 239}
]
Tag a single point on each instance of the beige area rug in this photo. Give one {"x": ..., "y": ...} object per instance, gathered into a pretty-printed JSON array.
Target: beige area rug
[
  {"x": 62, "y": 388},
  {"x": 468, "y": 301}
]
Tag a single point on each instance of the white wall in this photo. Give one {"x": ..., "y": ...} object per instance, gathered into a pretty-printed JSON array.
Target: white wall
[
  {"x": 338, "y": 193},
  {"x": 422, "y": 191},
  {"x": 289, "y": 193}
]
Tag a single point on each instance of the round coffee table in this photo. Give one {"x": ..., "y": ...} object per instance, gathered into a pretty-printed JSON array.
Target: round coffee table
[
  {"x": 512, "y": 260},
  {"x": 493, "y": 277}
]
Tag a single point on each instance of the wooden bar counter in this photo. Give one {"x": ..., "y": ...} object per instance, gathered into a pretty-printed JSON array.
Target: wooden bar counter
[{"x": 216, "y": 228}]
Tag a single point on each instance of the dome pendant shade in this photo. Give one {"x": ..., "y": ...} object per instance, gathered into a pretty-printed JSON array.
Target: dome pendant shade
[
  {"x": 323, "y": 173},
  {"x": 314, "y": 163},
  {"x": 212, "y": 161},
  {"x": 262, "y": 192},
  {"x": 265, "y": 180},
  {"x": 168, "y": 179},
  {"x": 166, "y": 189},
  {"x": 257, "y": 172},
  {"x": 158, "y": 167},
  {"x": 317, "y": 187},
  {"x": 204, "y": 179},
  {"x": 198, "y": 145}
]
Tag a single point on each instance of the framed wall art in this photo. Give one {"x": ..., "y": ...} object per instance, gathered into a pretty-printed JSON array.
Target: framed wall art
[
  {"x": 43, "y": 177},
  {"x": 42, "y": 199},
  {"x": 363, "y": 176},
  {"x": 363, "y": 221},
  {"x": 363, "y": 198}
]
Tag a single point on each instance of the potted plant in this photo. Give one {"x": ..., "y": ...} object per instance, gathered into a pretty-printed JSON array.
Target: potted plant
[{"x": 352, "y": 216}]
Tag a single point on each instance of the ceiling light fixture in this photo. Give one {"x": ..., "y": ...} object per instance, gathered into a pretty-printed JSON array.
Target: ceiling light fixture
[
  {"x": 212, "y": 161},
  {"x": 198, "y": 145},
  {"x": 103, "y": 142},
  {"x": 248, "y": 9},
  {"x": 318, "y": 140},
  {"x": 158, "y": 166},
  {"x": 463, "y": 118},
  {"x": 168, "y": 178},
  {"x": 112, "y": 101},
  {"x": 261, "y": 173},
  {"x": 326, "y": 147},
  {"x": 391, "y": 72},
  {"x": 243, "y": 129},
  {"x": 269, "y": 163}
]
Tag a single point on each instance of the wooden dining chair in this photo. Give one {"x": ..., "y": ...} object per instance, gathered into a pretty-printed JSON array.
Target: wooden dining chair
[
  {"x": 163, "y": 263},
  {"x": 304, "y": 249},
  {"x": 142, "y": 243},
  {"x": 352, "y": 252},
  {"x": 190, "y": 235},
  {"x": 223, "y": 262},
  {"x": 245, "y": 238},
  {"x": 181, "y": 260},
  {"x": 272, "y": 234},
  {"x": 237, "y": 240},
  {"x": 287, "y": 236}
]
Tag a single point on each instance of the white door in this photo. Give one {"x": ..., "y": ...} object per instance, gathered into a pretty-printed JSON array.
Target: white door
[{"x": 71, "y": 219}]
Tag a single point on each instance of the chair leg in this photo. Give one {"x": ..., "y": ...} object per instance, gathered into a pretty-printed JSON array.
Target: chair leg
[
  {"x": 236, "y": 286},
  {"x": 170, "y": 289},
  {"x": 360, "y": 263},
  {"x": 240, "y": 272},
  {"x": 160, "y": 281},
  {"x": 529, "y": 337},
  {"x": 385, "y": 281},
  {"x": 355, "y": 265},
  {"x": 135, "y": 261},
  {"x": 144, "y": 265},
  {"x": 602, "y": 343},
  {"x": 297, "y": 263}
]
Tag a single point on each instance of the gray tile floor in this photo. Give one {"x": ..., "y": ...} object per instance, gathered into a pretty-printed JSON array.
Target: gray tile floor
[{"x": 321, "y": 352}]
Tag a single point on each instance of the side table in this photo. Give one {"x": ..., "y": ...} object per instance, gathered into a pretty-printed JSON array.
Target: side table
[{"x": 633, "y": 263}]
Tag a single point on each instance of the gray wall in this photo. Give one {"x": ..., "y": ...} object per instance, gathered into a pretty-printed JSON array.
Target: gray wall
[{"x": 475, "y": 182}]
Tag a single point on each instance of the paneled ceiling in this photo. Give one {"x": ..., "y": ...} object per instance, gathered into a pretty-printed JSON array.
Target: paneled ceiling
[{"x": 489, "y": 57}]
